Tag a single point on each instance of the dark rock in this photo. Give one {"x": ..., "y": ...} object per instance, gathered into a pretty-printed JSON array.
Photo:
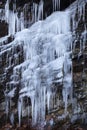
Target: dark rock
[{"x": 3, "y": 28}]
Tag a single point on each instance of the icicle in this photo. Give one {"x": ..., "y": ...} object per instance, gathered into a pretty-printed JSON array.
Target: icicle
[
  {"x": 44, "y": 103},
  {"x": 48, "y": 100},
  {"x": 65, "y": 98},
  {"x": 40, "y": 10},
  {"x": 19, "y": 110},
  {"x": 53, "y": 5},
  {"x": 22, "y": 21},
  {"x": 35, "y": 6},
  {"x": 7, "y": 106},
  {"x": 80, "y": 12},
  {"x": 83, "y": 13},
  {"x": 36, "y": 111},
  {"x": 18, "y": 23},
  {"x": 12, "y": 119},
  {"x": 7, "y": 11},
  {"x": 33, "y": 110},
  {"x": 28, "y": 112},
  {"x": 84, "y": 37},
  {"x": 67, "y": 85},
  {"x": 12, "y": 23},
  {"x": 59, "y": 4},
  {"x": 6, "y": 102},
  {"x": 56, "y": 5}
]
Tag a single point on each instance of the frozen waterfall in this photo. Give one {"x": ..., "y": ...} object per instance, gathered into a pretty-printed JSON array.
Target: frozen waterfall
[
  {"x": 47, "y": 49},
  {"x": 41, "y": 57}
]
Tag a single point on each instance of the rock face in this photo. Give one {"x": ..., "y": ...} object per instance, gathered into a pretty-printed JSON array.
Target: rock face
[
  {"x": 79, "y": 64},
  {"x": 37, "y": 79},
  {"x": 5, "y": 31}
]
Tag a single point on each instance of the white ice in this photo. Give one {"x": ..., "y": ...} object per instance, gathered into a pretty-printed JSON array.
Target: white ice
[{"x": 47, "y": 47}]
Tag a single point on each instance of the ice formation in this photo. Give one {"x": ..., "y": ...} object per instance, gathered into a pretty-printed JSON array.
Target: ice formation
[
  {"x": 12, "y": 118},
  {"x": 17, "y": 23},
  {"x": 40, "y": 10},
  {"x": 46, "y": 51},
  {"x": 47, "y": 47},
  {"x": 75, "y": 21},
  {"x": 56, "y": 5},
  {"x": 10, "y": 18}
]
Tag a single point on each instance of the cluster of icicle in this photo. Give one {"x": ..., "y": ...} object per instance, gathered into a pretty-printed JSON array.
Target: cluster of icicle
[
  {"x": 17, "y": 23},
  {"x": 78, "y": 14},
  {"x": 47, "y": 50},
  {"x": 56, "y": 5},
  {"x": 47, "y": 53}
]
